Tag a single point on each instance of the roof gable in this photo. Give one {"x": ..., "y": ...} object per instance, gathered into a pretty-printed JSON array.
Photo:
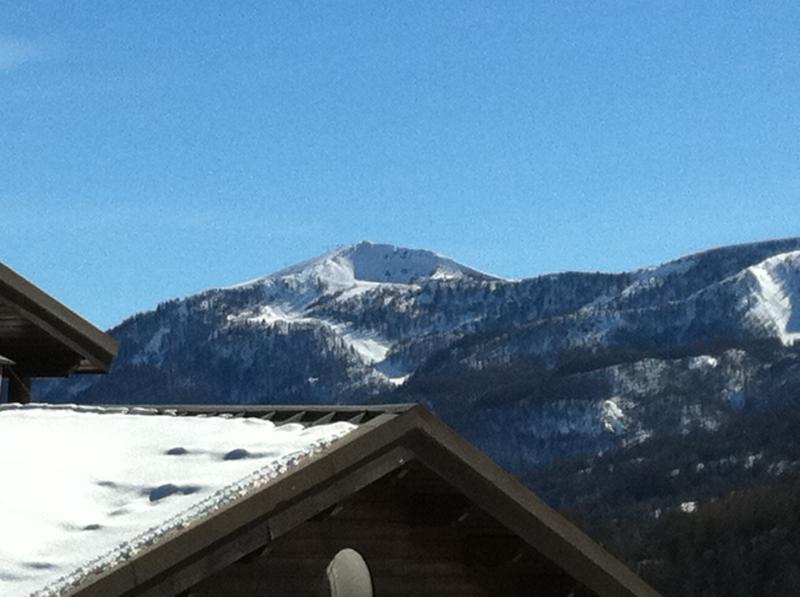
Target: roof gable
[
  {"x": 45, "y": 338},
  {"x": 384, "y": 443}
]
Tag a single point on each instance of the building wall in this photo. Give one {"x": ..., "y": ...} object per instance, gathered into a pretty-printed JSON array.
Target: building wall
[{"x": 418, "y": 539}]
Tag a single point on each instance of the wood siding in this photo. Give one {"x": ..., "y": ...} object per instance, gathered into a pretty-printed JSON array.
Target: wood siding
[{"x": 418, "y": 538}]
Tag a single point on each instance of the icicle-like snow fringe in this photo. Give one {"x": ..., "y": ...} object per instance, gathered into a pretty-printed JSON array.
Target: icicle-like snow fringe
[{"x": 84, "y": 408}]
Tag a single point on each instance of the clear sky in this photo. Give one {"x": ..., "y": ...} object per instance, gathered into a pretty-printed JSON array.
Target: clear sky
[{"x": 153, "y": 149}]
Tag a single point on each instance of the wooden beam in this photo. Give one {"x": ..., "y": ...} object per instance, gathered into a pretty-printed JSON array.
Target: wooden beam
[
  {"x": 56, "y": 319},
  {"x": 256, "y": 554},
  {"x": 315, "y": 503},
  {"x": 98, "y": 356},
  {"x": 208, "y": 562},
  {"x": 19, "y": 388}
]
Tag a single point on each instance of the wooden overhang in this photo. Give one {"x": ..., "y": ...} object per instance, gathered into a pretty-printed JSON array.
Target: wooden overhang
[
  {"x": 387, "y": 439},
  {"x": 43, "y": 337}
]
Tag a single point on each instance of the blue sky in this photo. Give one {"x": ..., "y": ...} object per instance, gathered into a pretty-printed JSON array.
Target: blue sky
[{"x": 150, "y": 150}]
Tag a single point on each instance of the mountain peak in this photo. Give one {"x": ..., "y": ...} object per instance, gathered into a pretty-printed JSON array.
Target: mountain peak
[
  {"x": 385, "y": 263},
  {"x": 379, "y": 263}
]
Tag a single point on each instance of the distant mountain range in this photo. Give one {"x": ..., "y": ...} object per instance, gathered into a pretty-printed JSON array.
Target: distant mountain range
[
  {"x": 534, "y": 370},
  {"x": 644, "y": 403}
]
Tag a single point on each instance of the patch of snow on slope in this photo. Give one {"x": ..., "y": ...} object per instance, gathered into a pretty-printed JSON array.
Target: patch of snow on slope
[
  {"x": 679, "y": 267},
  {"x": 95, "y": 486},
  {"x": 373, "y": 350},
  {"x": 653, "y": 277},
  {"x": 269, "y": 315},
  {"x": 613, "y": 418},
  {"x": 393, "y": 372},
  {"x": 370, "y": 347},
  {"x": 688, "y": 507},
  {"x": 359, "y": 287},
  {"x": 702, "y": 362},
  {"x": 778, "y": 298}
]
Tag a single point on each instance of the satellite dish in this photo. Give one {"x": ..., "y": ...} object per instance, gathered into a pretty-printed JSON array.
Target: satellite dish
[{"x": 348, "y": 575}]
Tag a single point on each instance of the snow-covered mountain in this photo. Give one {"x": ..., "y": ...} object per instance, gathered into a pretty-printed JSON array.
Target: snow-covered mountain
[
  {"x": 533, "y": 369},
  {"x": 302, "y": 294}
]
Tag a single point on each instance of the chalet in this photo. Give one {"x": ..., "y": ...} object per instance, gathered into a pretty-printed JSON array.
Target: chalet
[{"x": 235, "y": 501}]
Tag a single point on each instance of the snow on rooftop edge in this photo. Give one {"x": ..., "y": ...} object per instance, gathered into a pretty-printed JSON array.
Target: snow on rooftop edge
[{"x": 87, "y": 488}]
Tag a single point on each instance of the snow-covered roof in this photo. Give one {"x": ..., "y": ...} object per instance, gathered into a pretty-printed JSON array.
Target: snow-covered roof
[{"x": 86, "y": 488}]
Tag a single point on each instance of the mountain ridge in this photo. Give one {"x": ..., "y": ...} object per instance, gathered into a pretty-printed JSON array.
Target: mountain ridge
[{"x": 372, "y": 321}]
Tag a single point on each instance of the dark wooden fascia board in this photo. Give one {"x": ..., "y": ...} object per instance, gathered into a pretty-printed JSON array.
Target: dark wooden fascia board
[
  {"x": 41, "y": 309},
  {"x": 149, "y": 569},
  {"x": 512, "y": 504}
]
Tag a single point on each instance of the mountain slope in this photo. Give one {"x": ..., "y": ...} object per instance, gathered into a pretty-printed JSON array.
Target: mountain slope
[{"x": 553, "y": 366}]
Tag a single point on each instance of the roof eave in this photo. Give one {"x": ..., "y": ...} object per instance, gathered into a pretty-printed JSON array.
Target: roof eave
[{"x": 96, "y": 347}]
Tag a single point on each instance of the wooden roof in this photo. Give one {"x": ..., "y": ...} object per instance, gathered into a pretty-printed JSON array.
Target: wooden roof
[
  {"x": 388, "y": 439},
  {"x": 43, "y": 337}
]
